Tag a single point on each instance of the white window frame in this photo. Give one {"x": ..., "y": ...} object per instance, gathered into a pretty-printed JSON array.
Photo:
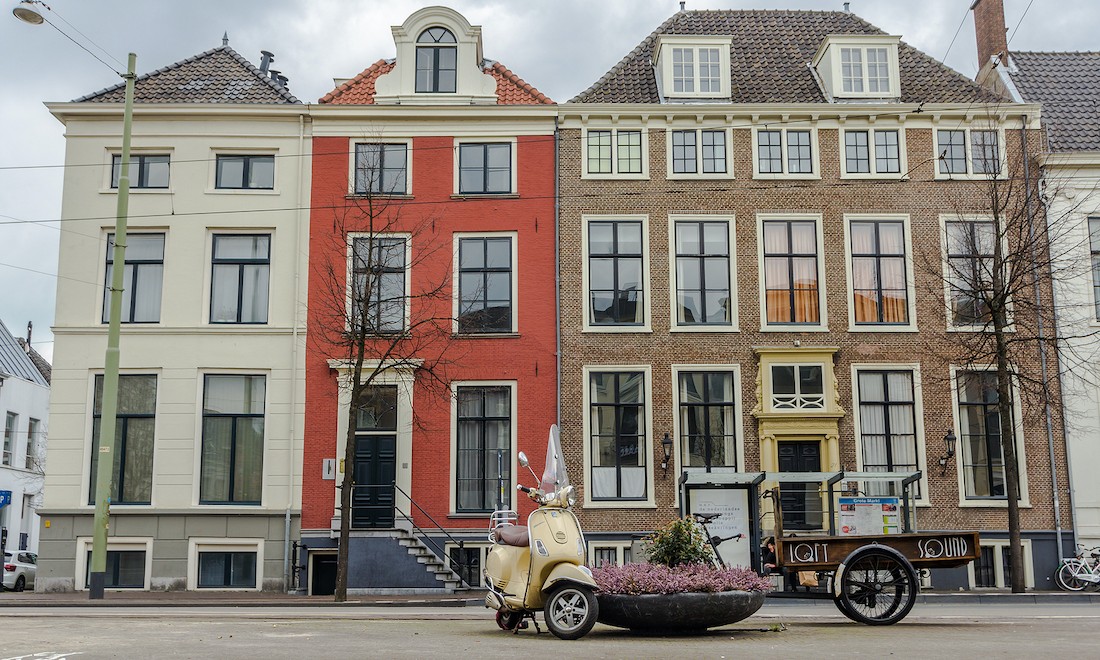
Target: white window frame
[
  {"x": 196, "y": 482},
  {"x": 951, "y": 326},
  {"x": 117, "y": 543},
  {"x": 902, "y": 174},
  {"x": 828, "y": 62},
  {"x": 197, "y": 545},
  {"x": 1018, "y": 433},
  {"x": 999, "y": 547},
  {"x": 823, "y": 312},
  {"x": 87, "y": 477},
  {"x": 970, "y": 174},
  {"x": 664, "y": 47},
  {"x": 815, "y": 155},
  {"x": 910, "y": 279},
  {"x": 458, "y": 142},
  {"x": 918, "y": 413},
  {"x": 647, "y": 378},
  {"x": 456, "y": 293},
  {"x": 673, "y": 278},
  {"x": 620, "y": 548},
  {"x": 738, "y": 417},
  {"x": 647, "y": 288},
  {"x": 108, "y": 166},
  {"x": 513, "y": 390},
  {"x": 825, "y": 394},
  {"x": 352, "y": 148},
  {"x": 212, "y": 184},
  {"x": 615, "y": 174},
  {"x": 350, "y": 275},
  {"x": 727, "y": 135}
]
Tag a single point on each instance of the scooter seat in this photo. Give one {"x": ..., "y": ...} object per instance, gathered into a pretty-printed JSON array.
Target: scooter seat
[{"x": 516, "y": 535}]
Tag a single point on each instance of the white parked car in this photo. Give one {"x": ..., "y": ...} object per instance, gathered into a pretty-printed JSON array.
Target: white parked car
[{"x": 19, "y": 570}]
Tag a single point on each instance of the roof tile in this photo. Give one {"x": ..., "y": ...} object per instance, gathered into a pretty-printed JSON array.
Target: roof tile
[
  {"x": 1068, "y": 87},
  {"x": 511, "y": 89},
  {"x": 769, "y": 56}
]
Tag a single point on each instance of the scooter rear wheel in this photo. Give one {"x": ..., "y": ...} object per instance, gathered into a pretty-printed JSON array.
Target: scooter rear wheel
[
  {"x": 570, "y": 611},
  {"x": 509, "y": 620}
]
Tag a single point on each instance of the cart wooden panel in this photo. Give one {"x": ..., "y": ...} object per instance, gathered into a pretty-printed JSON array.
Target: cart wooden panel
[{"x": 922, "y": 550}]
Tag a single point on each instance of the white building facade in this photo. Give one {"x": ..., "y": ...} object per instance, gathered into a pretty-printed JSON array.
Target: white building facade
[
  {"x": 25, "y": 405},
  {"x": 207, "y": 483}
]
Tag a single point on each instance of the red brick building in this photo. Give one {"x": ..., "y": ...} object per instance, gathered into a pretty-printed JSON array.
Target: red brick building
[{"x": 433, "y": 197}]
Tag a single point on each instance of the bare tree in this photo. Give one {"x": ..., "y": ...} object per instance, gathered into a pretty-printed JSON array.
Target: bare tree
[
  {"x": 997, "y": 269},
  {"x": 377, "y": 310}
]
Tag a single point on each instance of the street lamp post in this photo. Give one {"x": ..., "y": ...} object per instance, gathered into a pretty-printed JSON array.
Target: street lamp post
[{"x": 28, "y": 13}]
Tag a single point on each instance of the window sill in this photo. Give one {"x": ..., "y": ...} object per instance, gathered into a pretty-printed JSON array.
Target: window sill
[
  {"x": 620, "y": 504},
  {"x": 138, "y": 191},
  {"x": 617, "y": 329},
  {"x": 241, "y": 191},
  {"x": 378, "y": 196},
  {"x": 794, "y": 328},
  {"x": 882, "y": 328},
  {"x": 888, "y": 176},
  {"x": 678, "y": 176},
  {"x": 470, "y": 516},
  {"x": 716, "y": 328},
  {"x": 472, "y": 196},
  {"x": 485, "y": 335},
  {"x": 969, "y": 177},
  {"x": 644, "y": 176},
  {"x": 991, "y": 504},
  {"x": 769, "y": 175}
]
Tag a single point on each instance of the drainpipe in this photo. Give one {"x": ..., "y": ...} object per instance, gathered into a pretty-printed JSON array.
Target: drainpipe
[
  {"x": 557, "y": 274},
  {"x": 1042, "y": 344},
  {"x": 294, "y": 355}
]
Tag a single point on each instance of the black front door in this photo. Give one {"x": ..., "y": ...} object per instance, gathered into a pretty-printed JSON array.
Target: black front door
[
  {"x": 323, "y": 577},
  {"x": 372, "y": 498},
  {"x": 801, "y": 502}
]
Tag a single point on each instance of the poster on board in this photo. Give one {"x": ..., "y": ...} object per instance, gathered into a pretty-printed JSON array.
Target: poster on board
[
  {"x": 733, "y": 504},
  {"x": 869, "y": 515}
]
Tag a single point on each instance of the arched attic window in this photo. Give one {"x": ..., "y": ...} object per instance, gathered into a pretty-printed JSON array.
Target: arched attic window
[{"x": 436, "y": 61}]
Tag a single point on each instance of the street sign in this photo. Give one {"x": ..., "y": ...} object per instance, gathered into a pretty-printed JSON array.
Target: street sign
[
  {"x": 5, "y": 498},
  {"x": 869, "y": 515}
]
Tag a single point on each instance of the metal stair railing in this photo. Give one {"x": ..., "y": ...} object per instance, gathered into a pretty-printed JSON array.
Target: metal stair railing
[{"x": 439, "y": 552}]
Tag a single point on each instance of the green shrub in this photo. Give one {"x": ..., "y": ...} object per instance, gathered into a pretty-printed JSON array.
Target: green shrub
[{"x": 679, "y": 542}]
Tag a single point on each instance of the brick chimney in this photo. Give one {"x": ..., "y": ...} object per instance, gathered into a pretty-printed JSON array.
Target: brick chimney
[{"x": 989, "y": 28}]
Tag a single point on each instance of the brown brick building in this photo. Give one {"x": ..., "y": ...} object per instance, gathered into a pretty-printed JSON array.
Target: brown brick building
[{"x": 755, "y": 208}]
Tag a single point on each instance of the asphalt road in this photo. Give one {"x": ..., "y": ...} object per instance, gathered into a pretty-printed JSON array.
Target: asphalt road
[{"x": 778, "y": 631}]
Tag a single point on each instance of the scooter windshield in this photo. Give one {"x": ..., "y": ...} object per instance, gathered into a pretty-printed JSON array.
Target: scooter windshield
[{"x": 554, "y": 477}]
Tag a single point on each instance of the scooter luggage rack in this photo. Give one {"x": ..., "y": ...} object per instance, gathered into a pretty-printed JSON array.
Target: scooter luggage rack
[{"x": 501, "y": 519}]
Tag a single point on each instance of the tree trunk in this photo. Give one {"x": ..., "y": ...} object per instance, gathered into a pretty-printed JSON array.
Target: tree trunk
[{"x": 1008, "y": 453}]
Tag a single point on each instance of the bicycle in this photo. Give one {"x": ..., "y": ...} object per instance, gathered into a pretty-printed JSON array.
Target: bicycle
[
  {"x": 1079, "y": 573},
  {"x": 714, "y": 540}
]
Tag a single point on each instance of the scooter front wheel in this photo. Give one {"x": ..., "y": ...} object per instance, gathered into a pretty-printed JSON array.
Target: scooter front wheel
[{"x": 570, "y": 611}]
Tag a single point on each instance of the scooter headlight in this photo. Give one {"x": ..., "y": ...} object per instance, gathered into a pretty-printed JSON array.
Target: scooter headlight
[{"x": 569, "y": 496}]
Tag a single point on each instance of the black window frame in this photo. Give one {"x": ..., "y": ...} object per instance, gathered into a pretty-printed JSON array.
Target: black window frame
[
  {"x": 620, "y": 296},
  {"x": 122, "y": 440},
  {"x": 700, "y": 258},
  {"x": 114, "y": 568},
  {"x": 374, "y": 186},
  {"x": 436, "y": 35},
  {"x": 878, "y": 257},
  {"x": 246, "y": 170},
  {"x": 790, "y": 256},
  {"x": 489, "y": 486},
  {"x": 988, "y": 411},
  {"x": 241, "y": 263},
  {"x": 640, "y": 438},
  {"x": 228, "y": 568},
  {"x": 379, "y": 266},
  {"x": 727, "y": 409},
  {"x": 141, "y": 163},
  {"x": 135, "y": 278},
  {"x": 970, "y": 267},
  {"x": 483, "y": 272},
  {"x": 951, "y": 151},
  {"x": 888, "y": 404},
  {"x": 231, "y": 469},
  {"x": 468, "y": 147}
]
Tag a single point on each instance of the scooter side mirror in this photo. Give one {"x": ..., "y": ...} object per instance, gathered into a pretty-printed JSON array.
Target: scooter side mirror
[{"x": 523, "y": 462}]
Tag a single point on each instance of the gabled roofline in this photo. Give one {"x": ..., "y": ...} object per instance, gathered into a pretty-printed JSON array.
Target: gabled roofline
[{"x": 290, "y": 98}]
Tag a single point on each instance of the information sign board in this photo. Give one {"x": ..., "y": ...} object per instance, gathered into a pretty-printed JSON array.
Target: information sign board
[{"x": 869, "y": 515}]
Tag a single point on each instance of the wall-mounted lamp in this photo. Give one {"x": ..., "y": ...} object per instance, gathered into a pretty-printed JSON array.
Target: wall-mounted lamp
[
  {"x": 949, "y": 451},
  {"x": 666, "y": 444}
]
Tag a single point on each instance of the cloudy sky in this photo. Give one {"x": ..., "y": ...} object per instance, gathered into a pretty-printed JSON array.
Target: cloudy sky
[{"x": 560, "y": 46}]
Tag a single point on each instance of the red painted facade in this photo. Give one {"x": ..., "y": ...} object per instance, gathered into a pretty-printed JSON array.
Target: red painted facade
[{"x": 527, "y": 357}]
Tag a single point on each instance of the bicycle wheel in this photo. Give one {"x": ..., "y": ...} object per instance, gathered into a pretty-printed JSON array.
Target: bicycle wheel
[{"x": 1066, "y": 577}]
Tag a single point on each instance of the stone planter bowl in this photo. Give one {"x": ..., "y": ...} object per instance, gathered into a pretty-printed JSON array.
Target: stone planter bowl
[{"x": 678, "y": 613}]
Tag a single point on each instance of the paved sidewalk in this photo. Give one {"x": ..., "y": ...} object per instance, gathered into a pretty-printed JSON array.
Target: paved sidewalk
[{"x": 471, "y": 598}]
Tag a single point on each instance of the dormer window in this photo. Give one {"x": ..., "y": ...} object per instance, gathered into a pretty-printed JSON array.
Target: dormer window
[
  {"x": 855, "y": 66},
  {"x": 693, "y": 67},
  {"x": 436, "y": 61}
]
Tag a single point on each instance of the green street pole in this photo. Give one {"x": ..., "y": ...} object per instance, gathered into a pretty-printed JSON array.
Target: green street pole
[{"x": 105, "y": 460}]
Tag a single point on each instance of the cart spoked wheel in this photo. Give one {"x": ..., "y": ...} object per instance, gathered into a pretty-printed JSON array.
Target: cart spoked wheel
[
  {"x": 509, "y": 620},
  {"x": 878, "y": 587}
]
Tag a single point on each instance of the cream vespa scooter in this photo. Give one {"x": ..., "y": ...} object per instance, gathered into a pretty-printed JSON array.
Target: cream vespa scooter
[{"x": 541, "y": 566}]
